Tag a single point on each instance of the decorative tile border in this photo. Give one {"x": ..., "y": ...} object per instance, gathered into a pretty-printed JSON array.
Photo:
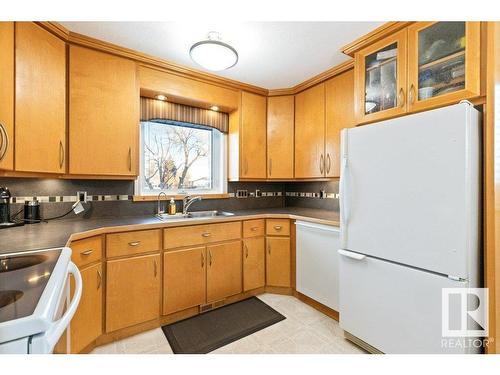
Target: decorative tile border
[
  {"x": 71, "y": 198},
  {"x": 300, "y": 194}
]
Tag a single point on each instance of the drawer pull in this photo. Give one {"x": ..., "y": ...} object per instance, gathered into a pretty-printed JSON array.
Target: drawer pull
[
  {"x": 206, "y": 234},
  {"x": 253, "y": 229},
  {"x": 99, "y": 279},
  {"x": 87, "y": 252},
  {"x": 134, "y": 243},
  {"x": 278, "y": 227}
]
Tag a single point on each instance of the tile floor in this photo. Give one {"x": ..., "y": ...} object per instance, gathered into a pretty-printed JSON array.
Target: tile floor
[{"x": 304, "y": 331}]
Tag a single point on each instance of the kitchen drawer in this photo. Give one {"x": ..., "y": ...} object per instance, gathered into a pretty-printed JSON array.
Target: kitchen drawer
[
  {"x": 278, "y": 227},
  {"x": 253, "y": 228},
  {"x": 200, "y": 234},
  {"x": 131, "y": 243},
  {"x": 86, "y": 251}
]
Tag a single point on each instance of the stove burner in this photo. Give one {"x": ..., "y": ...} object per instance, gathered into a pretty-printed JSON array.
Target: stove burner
[
  {"x": 19, "y": 262},
  {"x": 8, "y": 297}
]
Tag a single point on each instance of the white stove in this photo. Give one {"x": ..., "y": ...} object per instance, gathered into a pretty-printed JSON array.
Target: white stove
[{"x": 33, "y": 292}]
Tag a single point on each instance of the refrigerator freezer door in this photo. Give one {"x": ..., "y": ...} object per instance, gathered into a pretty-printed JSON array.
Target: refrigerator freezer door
[
  {"x": 317, "y": 262},
  {"x": 409, "y": 190},
  {"x": 394, "y": 308}
]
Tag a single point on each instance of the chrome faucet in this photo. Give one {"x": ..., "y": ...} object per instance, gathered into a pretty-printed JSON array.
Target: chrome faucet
[
  {"x": 188, "y": 201},
  {"x": 159, "y": 211}
]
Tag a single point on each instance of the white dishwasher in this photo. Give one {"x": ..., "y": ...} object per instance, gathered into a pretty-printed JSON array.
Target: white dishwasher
[{"x": 317, "y": 262}]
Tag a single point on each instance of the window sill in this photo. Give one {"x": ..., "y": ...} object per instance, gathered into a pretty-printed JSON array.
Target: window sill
[{"x": 147, "y": 198}]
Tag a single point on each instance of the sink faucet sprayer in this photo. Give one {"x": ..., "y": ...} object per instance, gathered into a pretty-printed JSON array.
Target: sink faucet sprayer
[{"x": 188, "y": 201}]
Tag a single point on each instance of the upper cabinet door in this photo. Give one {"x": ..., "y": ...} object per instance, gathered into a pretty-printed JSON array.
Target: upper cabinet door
[
  {"x": 7, "y": 95},
  {"x": 40, "y": 120},
  {"x": 310, "y": 133},
  {"x": 339, "y": 115},
  {"x": 380, "y": 79},
  {"x": 443, "y": 63},
  {"x": 253, "y": 136},
  {"x": 103, "y": 113},
  {"x": 280, "y": 125}
]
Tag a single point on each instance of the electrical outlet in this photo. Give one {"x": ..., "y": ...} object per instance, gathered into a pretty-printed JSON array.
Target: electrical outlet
[
  {"x": 241, "y": 193},
  {"x": 81, "y": 196},
  {"x": 258, "y": 193}
]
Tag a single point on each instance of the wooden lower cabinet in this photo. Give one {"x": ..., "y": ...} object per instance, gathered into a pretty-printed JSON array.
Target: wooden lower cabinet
[
  {"x": 184, "y": 280},
  {"x": 132, "y": 291},
  {"x": 86, "y": 325},
  {"x": 254, "y": 264},
  {"x": 224, "y": 270},
  {"x": 278, "y": 261}
]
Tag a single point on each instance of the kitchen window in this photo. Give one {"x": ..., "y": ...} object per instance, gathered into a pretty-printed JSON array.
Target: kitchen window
[{"x": 181, "y": 158}]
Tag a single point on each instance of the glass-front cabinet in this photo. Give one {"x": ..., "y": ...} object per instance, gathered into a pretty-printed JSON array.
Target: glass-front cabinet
[
  {"x": 422, "y": 66},
  {"x": 380, "y": 72},
  {"x": 443, "y": 63}
]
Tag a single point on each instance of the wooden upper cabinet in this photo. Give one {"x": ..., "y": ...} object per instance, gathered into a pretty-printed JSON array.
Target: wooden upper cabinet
[
  {"x": 103, "y": 114},
  {"x": 86, "y": 325},
  {"x": 40, "y": 110},
  {"x": 184, "y": 280},
  {"x": 339, "y": 115},
  {"x": 253, "y": 136},
  {"x": 310, "y": 132},
  {"x": 443, "y": 63},
  {"x": 7, "y": 96},
  {"x": 380, "y": 79},
  {"x": 224, "y": 270},
  {"x": 132, "y": 291},
  {"x": 280, "y": 137}
]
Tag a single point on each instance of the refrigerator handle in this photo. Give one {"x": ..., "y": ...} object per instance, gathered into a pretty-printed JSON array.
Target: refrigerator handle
[
  {"x": 344, "y": 209},
  {"x": 352, "y": 255}
]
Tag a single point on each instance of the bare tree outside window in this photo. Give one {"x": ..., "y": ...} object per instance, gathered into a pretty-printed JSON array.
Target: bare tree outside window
[{"x": 176, "y": 157}]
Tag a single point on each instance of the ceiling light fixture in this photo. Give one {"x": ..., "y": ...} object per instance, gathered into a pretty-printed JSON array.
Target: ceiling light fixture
[
  {"x": 161, "y": 97},
  {"x": 214, "y": 108},
  {"x": 213, "y": 54}
]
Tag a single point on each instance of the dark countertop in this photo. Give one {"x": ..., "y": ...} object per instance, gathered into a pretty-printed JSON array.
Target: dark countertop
[{"x": 57, "y": 233}]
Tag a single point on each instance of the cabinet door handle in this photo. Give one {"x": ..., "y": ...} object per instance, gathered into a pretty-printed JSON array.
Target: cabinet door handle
[
  {"x": 329, "y": 163},
  {"x": 134, "y": 243},
  {"x": 4, "y": 139},
  {"x": 321, "y": 163},
  {"x": 202, "y": 260},
  {"x": 412, "y": 93},
  {"x": 130, "y": 159},
  {"x": 270, "y": 167},
  {"x": 155, "y": 266},
  {"x": 209, "y": 257},
  {"x": 245, "y": 163},
  {"x": 61, "y": 154},
  {"x": 99, "y": 279},
  {"x": 278, "y": 227},
  {"x": 401, "y": 98},
  {"x": 246, "y": 251},
  {"x": 269, "y": 249},
  {"x": 206, "y": 234},
  {"x": 87, "y": 252}
]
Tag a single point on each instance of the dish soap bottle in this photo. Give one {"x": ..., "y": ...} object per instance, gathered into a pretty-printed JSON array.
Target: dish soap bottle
[{"x": 171, "y": 207}]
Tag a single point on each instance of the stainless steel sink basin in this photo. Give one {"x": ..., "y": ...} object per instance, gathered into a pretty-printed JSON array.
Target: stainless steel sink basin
[{"x": 212, "y": 213}]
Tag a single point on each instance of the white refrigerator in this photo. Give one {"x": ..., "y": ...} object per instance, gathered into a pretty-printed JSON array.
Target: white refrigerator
[{"x": 409, "y": 205}]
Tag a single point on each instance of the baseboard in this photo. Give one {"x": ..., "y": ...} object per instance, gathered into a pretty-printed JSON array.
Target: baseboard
[
  {"x": 361, "y": 343},
  {"x": 318, "y": 306}
]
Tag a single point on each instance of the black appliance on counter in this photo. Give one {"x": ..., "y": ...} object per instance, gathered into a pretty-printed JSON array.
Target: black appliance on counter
[
  {"x": 32, "y": 212},
  {"x": 5, "y": 221}
]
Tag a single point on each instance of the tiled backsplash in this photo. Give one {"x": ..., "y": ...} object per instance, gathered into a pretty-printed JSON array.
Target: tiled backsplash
[{"x": 114, "y": 197}]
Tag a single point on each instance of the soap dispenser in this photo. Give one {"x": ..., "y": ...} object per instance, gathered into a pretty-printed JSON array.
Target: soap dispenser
[{"x": 171, "y": 207}]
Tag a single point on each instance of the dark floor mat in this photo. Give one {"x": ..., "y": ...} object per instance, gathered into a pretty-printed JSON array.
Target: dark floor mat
[{"x": 206, "y": 332}]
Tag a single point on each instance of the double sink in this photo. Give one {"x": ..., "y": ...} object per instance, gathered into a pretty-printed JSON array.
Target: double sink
[{"x": 195, "y": 215}]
